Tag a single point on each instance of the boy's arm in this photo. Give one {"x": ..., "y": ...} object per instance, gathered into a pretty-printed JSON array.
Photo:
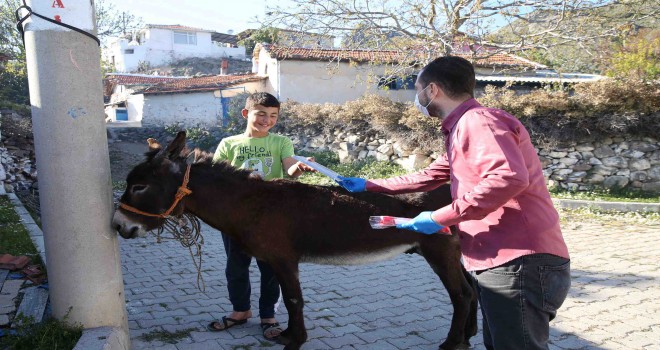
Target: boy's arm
[
  {"x": 295, "y": 168},
  {"x": 290, "y": 165}
]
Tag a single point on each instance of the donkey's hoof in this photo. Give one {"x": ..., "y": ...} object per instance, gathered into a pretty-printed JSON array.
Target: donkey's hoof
[
  {"x": 461, "y": 346},
  {"x": 292, "y": 346},
  {"x": 284, "y": 337}
]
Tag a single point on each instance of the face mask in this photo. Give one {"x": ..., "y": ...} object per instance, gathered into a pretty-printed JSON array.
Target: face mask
[{"x": 422, "y": 109}]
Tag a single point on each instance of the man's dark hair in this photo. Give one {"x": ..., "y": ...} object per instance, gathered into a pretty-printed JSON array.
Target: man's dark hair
[
  {"x": 455, "y": 75},
  {"x": 261, "y": 98}
]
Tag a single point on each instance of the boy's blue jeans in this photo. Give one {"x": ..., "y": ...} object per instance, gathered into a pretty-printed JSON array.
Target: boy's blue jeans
[
  {"x": 520, "y": 298},
  {"x": 238, "y": 281}
]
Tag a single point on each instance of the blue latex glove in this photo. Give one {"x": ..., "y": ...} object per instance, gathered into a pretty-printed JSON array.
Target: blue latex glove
[
  {"x": 422, "y": 223},
  {"x": 352, "y": 184}
]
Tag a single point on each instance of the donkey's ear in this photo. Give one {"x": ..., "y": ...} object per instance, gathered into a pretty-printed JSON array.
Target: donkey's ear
[
  {"x": 153, "y": 144},
  {"x": 175, "y": 147}
]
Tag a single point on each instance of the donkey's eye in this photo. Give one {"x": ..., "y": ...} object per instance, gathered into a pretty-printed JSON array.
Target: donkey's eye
[{"x": 138, "y": 188}]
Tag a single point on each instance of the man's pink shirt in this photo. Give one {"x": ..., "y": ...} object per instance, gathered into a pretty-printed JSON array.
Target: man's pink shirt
[{"x": 501, "y": 204}]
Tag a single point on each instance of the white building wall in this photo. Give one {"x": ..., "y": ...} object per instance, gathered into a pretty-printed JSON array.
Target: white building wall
[
  {"x": 135, "y": 107},
  {"x": 158, "y": 48},
  {"x": 191, "y": 109},
  {"x": 321, "y": 82}
]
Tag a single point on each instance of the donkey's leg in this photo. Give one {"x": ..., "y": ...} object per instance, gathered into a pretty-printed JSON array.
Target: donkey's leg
[
  {"x": 444, "y": 258},
  {"x": 287, "y": 274}
]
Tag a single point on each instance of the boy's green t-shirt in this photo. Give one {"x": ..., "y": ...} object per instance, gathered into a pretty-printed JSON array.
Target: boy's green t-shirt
[{"x": 260, "y": 154}]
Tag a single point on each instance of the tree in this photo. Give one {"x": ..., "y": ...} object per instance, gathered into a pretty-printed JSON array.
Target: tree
[
  {"x": 11, "y": 42},
  {"x": 636, "y": 57},
  {"x": 259, "y": 36},
  {"x": 590, "y": 38},
  {"x": 112, "y": 23},
  {"x": 13, "y": 77},
  {"x": 430, "y": 28}
]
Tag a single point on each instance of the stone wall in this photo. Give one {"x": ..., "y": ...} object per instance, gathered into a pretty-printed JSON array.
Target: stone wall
[
  {"x": 607, "y": 163},
  {"x": 612, "y": 162}
]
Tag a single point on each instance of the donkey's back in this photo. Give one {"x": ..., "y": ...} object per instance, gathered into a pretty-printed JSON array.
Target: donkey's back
[{"x": 327, "y": 225}]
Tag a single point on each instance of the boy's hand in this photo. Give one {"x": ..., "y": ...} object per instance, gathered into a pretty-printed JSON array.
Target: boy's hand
[
  {"x": 304, "y": 167},
  {"x": 423, "y": 223},
  {"x": 352, "y": 184}
]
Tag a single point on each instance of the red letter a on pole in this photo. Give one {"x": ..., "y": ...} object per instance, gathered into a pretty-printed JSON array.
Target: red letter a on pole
[{"x": 58, "y": 3}]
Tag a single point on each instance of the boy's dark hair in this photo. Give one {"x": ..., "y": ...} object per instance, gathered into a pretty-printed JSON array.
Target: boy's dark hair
[
  {"x": 455, "y": 75},
  {"x": 261, "y": 98}
]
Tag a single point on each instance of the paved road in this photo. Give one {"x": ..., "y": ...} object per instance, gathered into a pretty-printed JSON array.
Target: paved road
[{"x": 398, "y": 304}]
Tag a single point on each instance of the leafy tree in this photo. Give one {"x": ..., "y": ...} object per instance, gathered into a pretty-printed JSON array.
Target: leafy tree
[
  {"x": 637, "y": 57},
  {"x": 111, "y": 23},
  {"x": 430, "y": 28},
  {"x": 13, "y": 77},
  {"x": 11, "y": 42},
  {"x": 591, "y": 35},
  {"x": 263, "y": 35}
]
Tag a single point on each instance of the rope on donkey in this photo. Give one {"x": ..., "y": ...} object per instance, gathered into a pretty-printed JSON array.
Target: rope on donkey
[{"x": 186, "y": 229}]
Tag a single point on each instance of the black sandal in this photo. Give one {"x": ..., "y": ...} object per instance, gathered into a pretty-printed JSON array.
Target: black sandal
[
  {"x": 266, "y": 327},
  {"x": 213, "y": 326}
]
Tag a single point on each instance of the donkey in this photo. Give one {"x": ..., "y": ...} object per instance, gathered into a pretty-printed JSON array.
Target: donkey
[{"x": 284, "y": 223}]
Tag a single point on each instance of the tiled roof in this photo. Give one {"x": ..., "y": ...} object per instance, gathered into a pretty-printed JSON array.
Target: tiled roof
[
  {"x": 113, "y": 79},
  {"x": 178, "y": 27},
  {"x": 196, "y": 84},
  {"x": 139, "y": 79},
  {"x": 391, "y": 56}
]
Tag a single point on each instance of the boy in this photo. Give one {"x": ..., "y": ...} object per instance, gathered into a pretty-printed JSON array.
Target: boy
[
  {"x": 510, "y": 236},
  {"x": 270, "y": 156}
]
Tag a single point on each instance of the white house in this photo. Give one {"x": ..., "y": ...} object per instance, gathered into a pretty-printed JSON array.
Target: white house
[
  {"x": 143, "y": 100},
  {"x": 161, "y": 44},
  {"x": 319, "y": 75}
]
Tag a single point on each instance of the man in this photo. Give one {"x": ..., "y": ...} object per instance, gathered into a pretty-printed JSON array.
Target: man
[{"x": 510, "y": 236}]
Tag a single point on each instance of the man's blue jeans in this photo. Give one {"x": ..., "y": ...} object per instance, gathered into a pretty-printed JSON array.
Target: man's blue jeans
[
  {"x": 520, "y": 298},
  {"x": 238, "y": 281}
]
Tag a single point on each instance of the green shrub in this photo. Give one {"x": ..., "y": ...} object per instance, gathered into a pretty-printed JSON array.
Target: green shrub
[
  {"x": 368, "y": 169},
  {"x": 198, "y": 136}
]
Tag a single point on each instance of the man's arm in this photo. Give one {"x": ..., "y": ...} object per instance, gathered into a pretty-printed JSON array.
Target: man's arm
[{"x": 430, "y": 178}]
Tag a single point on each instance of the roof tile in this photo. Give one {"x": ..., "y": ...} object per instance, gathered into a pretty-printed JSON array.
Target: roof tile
[{"x": 392, "y": 56}]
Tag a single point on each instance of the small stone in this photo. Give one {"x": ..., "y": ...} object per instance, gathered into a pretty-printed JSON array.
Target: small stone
[
  {"x": 568, "y": 161},
  {"x": 651, "y": 186},
  {"x": 585, "y": 147},
  {"x": 616, "y": 182},
  {"x": 558, "y": 154},
  {"x": 603, "y": 152},
  {"x": 618, "y": 162},
  {"x": 639, "y": 164},
  {"x": 638, "y": 176}
]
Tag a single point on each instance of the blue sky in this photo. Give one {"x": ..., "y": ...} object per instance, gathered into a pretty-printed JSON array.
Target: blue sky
[{"x": 219, "y": 15}]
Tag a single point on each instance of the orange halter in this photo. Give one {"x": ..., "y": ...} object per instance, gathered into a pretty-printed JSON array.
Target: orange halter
[{"x": 181, "y": 192}]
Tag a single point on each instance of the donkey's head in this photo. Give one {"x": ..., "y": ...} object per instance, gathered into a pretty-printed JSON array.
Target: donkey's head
[{"x": 151, "y": 189}]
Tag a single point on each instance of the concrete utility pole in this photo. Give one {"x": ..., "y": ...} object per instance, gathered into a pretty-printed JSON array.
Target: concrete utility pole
[{"x": 83, "y": 260}]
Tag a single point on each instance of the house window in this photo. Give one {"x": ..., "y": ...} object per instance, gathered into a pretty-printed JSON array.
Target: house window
[
  {"x": 397, "y": 83},
  {"x": 387, "y": 83},
  {"x": 185, "y": 38},
  {"x": 129, "y": 51}
]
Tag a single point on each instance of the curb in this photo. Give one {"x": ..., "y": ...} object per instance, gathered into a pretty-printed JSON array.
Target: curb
[
  {"x": 101, "y": 338},
  {"x": 612, "y": 206}
]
